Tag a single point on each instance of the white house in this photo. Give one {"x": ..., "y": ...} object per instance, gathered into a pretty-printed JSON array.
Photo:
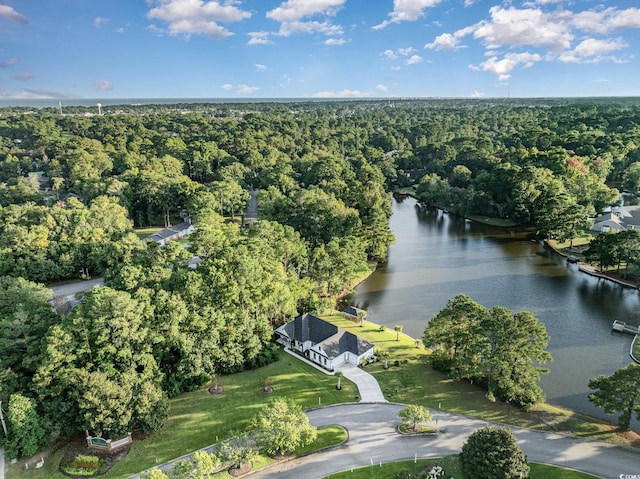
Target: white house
[
  {"x": 607, "y": 223},
  {"x": 324, "y": 343},
  {"x": 178, "y": 231}
]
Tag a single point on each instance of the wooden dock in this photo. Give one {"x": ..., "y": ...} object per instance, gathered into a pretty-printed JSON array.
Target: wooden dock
[{"x": 622, "y": 327}]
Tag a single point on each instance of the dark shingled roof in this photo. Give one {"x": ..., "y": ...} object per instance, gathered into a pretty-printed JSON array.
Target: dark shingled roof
[
  {"x": 352, "y": 311},
  {"x": 168, "y": 232},
  {"x": 309, "y": 328},
  {"x": 343, "y": 341}
]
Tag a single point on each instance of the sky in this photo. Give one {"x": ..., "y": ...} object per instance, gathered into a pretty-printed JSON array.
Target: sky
[{"x": 318, "y": 48}]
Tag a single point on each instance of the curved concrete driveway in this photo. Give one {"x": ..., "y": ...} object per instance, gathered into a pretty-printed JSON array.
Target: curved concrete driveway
[
  {"x": 372, "y": 439},
  {"x": 367, "y": 385}
]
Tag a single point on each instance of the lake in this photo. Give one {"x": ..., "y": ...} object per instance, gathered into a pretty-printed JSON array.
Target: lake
[{"x": 438, "y": 256}]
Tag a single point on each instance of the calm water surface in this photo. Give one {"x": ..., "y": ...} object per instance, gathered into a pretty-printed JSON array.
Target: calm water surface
[{"x": 438, "y": 256}]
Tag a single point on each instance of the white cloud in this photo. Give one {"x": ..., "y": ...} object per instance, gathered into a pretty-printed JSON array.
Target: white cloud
[
  {"x": 189, "y": 17},
  {"x": 261, "y": 68},
  {"x": 332, "y": 42},
  {"x": 240, "y": 89},
  {"x": 382, "y": 88},
  {"x": 8, "y": 63},
  {"x": 246, "y": 89},
  {"x": 290, "y": 15},
  {"x": 259, "y": 38},
  {"x": 406, "y": 51},
  {"x": 294, "y": 10},
  {"x": 415, "y": 59},
  {"x": 155, "y": 29},
  {"x": 519, "y": 27},
  {"x": 342, "y": 94},
  {"x": 478, "y": 94},
  {"x": 99, "y": 21},
  {"x": 8, "y": 13},
  {"x": 102, "y": 85},
  {"x": 446, "y": 41},
  {"x": 407, "y": 11},
  {"x": 325, "y": 28},
  {"x": 606, "y": 21},
  {"x": 390, "y": 54},
  {"x": 119, "y": 30},
  {"x": 592, "y": 50},
  {"x": 543, "y": 30},
  {"x": 503, "y": 67}
]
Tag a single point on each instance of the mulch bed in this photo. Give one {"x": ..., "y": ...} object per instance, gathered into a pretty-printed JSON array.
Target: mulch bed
[
  {"x": 239, "y": 471},
  {"x": 215, "y": 390},
  {"x": 78, "y": 445}
]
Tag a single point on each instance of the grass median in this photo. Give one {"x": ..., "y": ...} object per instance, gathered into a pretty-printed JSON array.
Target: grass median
[{"x": 451, "y": 467}]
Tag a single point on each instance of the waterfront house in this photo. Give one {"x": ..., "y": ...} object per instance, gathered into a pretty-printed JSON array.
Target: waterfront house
[{"x": 323, "y": 343}]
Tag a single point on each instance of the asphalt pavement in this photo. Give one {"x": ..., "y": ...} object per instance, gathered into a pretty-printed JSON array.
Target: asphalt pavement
[
  {"x": 373, "y": 439},
  {"x": 75, "y": 287}
]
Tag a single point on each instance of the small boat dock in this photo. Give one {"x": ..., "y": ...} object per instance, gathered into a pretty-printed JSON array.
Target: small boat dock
[{"x": 622, "y": 327}]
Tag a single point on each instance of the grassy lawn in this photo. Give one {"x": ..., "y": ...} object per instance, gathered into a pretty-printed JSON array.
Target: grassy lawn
[
  {"x": 451, "y": 468},
  {"x": 410, "y": 380},
  {"x": 198, "y": 419},
  {"x": 492, "y": 221},
  {"x": 635, "y": 348},
  {"x": 144, "y": 232}
]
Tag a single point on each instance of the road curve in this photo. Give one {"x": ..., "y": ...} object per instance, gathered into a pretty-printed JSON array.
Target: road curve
[{"x": 373, "y": 439}]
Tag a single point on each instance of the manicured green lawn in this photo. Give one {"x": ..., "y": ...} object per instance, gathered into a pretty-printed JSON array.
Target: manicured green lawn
[
  {"x": 198, "y": 419},
  {"x": 635, "y": 349},
  {"x": 144, "y": 232},
  {"x": 451, "y": 469},
  {"x": 413, "y": 381},
  {"x": 492, "y": 221}
]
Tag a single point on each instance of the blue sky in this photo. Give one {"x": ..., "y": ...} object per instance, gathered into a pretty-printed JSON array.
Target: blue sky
[{"x": 318, "y": 48}]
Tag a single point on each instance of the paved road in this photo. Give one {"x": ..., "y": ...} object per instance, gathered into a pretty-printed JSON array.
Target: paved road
[
  {"x": 71, "y": 289},
  {"x": 373, "y": 439},
  {"x": 252, "y": 209}
]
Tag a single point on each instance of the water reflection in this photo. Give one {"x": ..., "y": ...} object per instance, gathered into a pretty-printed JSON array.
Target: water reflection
[{"x": 438, "y": 256}]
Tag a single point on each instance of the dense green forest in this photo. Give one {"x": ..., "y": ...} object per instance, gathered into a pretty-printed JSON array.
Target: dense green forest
[{"x": 324, "y": 172}]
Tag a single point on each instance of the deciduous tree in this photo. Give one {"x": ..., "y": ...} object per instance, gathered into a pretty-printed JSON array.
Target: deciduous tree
[
  {"x": 283, "y": 426},
  {"x": 618, "y": 393}
]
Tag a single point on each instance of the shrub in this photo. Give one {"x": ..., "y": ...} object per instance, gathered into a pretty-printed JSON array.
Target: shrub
[
  {"x": 492, "y": 453},
  {"x": 86, "y": 462},
  {"x": 83, "y": 466}
]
